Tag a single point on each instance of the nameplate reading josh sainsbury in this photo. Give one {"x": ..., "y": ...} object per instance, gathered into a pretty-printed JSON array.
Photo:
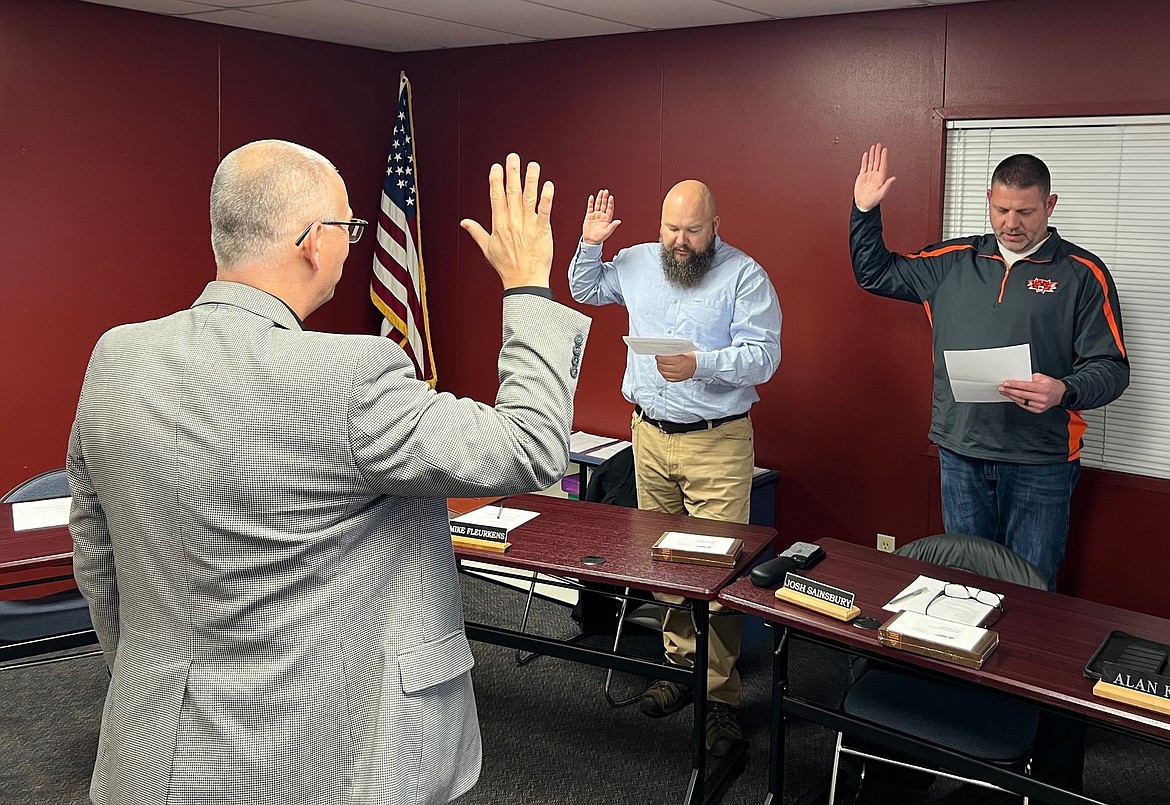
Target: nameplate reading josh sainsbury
[{"x": 823, "y": 592}]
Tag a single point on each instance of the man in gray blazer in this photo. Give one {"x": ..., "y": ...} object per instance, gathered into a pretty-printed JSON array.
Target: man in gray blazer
[{"x": 259, "y": 511}]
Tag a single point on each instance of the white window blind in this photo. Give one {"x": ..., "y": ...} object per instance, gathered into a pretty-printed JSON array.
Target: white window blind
[{"x": 1112, "y": 176}]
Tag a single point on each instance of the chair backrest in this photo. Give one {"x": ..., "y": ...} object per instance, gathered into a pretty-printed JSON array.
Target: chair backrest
[
  {"x": 613, "y": 481},
  {"x": 975, "y": 555},
  {"x": 51, "y": 484}
]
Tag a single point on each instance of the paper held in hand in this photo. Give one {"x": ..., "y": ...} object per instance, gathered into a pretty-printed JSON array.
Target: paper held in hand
[
  {"x": 659, "y": 346},
  {"x": 696, "y": 549},
  {"x": 976, "y": 373}
]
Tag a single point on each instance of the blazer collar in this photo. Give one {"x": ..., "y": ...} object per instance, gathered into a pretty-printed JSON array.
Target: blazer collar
[{"x": 252, "y": 300}]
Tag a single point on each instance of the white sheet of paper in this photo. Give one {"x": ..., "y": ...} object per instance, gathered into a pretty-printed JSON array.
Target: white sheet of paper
[
  {"x": 938, "y": 631},
  {"x": 659, "y": 346},
  {"x": 925, "y": 592},
  {"x": 495, "y": 516},
  {"x": 701, "y": 543},
  {"x": 976, "y": 373},
  {"x": 609, "y": 450},
  {"x": 916, "y": 595},
  {"x": 40, "y": 514},
  {"x": 582, "y": 442}
]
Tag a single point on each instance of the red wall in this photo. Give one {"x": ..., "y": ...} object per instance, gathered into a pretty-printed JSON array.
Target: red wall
[
  {"x": 774, "y": 116},
  {"x": 113, "y": 124},
  {"x": 117, "y": 106}
]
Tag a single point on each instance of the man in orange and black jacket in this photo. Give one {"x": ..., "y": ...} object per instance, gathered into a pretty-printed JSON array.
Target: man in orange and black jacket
[{"x": 1008, "y": 469}]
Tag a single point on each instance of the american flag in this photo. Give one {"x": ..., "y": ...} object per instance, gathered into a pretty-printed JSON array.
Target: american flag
[{"x": 398, "y": 288}]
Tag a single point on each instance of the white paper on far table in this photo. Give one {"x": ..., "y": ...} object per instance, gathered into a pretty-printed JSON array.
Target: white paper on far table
[
  {"x": 582, "y": 442},
  {"x": 936, "y": 631},
  {"x": 926, "y": 593},
  {"x": 701, "y": 543},
  {"x": 40, "y": 513},
  {"x": 496, "y": 516},
  {"x": 609, "y": 450}
]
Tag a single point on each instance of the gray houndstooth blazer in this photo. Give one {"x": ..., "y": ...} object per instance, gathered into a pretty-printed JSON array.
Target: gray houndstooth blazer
[{"x": 261, "y": 532}]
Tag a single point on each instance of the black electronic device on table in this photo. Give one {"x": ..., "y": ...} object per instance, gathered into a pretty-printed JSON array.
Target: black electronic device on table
[
  {"x": 798, "y": 556},
  {"x": 1135, "y": 653}
]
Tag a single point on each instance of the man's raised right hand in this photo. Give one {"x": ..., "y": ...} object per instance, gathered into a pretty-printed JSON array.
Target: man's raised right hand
[
  {"x": 873, "y": 180},
  {"x": 599, "y": 222},
  {"x": 520, "y": 246}
]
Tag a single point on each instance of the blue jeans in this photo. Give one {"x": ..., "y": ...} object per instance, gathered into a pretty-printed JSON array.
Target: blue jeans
[{"x": 1022, "y": 506}]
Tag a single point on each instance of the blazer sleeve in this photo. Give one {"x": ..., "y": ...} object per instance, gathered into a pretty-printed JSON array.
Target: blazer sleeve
[
  {"x": 93, "y": 554},
  {"x": 411, "y": 441}
]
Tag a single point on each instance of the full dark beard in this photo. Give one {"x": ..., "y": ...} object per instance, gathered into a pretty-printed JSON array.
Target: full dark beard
[{"x": 687, "y": 273}]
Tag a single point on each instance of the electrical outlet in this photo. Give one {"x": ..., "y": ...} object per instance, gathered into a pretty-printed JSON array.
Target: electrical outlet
[{"x": 885, "y": 542}]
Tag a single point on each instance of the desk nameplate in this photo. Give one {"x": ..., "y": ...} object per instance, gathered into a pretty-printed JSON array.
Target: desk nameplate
[
  {"x": 819, "y": 597},
  {"x": 1130, "y": 686},
  {"x": 494, "y": 545},
  {"x": 1046, "y": 637}
]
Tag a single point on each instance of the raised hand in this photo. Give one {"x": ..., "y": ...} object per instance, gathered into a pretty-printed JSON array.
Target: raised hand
[
  {"x": 873, "y": 181},
  {"x": 520, "y": 246},
  {"x": 599, "y": 222}
]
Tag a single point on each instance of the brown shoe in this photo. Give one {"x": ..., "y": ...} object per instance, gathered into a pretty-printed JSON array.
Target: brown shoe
[
  {"x": 723, "y": 730},
  {"x": 663, "y": 698}
]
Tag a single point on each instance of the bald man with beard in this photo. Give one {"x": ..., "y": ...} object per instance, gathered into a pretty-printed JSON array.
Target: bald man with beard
[{"x": 691, "y": 430}]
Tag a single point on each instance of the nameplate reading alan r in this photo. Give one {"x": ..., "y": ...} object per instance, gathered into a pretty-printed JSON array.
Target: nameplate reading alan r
[
  {"x": 1124, "y": 684},
  {"x": 819, "y": 597}
]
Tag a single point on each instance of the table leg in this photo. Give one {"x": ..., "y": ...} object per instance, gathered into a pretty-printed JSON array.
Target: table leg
[
  {"x": 776, "y": 748},
  {"x": 700, "y": 612}
]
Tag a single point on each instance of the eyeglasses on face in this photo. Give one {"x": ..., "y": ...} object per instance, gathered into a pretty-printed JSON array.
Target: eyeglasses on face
[
  {"x": 354, "y": 226},
  {"x": 962, "y": 591}
]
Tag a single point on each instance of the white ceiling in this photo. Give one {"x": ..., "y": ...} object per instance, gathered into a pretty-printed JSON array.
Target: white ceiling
[{"x": 406, "y": 25}]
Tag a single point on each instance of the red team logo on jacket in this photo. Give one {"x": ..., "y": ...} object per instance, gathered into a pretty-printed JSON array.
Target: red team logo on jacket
[{"x": 1042, "y": 285}]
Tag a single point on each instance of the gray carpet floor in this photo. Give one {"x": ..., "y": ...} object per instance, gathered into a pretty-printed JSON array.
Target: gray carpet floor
[{"x": 549, "y": 735}]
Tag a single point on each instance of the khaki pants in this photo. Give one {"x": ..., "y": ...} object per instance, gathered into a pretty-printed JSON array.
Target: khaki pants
[{"x": 708, "y": 474}]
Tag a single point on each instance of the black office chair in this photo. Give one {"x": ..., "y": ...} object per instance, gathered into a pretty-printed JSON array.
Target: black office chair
[
  {"x": 37, "y": 626},
  {"x": 51, "y": 484},
  {"x": 599, "y": 607},
  {"x": 972, "y": 722}
]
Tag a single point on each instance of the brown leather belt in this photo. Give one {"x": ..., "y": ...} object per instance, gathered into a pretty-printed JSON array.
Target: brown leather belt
[{"x": 686, "y": 427}]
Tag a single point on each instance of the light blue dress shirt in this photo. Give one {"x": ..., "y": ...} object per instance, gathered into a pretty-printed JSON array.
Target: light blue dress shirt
[{"x": 732, "y": 316}]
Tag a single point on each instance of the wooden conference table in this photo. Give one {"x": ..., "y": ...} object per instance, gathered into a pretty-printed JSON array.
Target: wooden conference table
[
  {"x": 33, "y": 563},
  {"x": 567, "y": 531},
  {"x": 39, "y": 562},
  {"x": 1045, "y": 641}
]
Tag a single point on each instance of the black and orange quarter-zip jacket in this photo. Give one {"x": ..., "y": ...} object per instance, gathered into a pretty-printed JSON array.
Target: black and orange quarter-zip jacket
[{"x": 1060, "y": 300}]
